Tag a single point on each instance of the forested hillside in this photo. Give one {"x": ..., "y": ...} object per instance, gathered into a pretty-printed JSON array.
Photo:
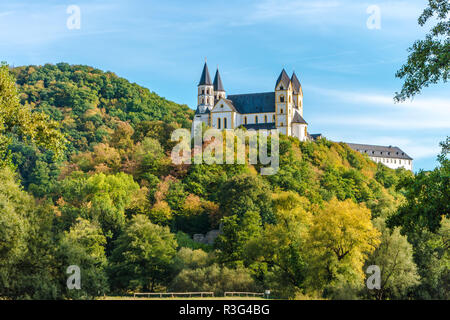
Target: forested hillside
[{"x": 114, "y": 204}]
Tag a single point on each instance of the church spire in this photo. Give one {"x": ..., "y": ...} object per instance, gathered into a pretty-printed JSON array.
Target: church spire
[
  {"x": 283, "y": 79},
  {"x": 218, "y": 85},
  {"x": 205, "y": 79},
  {"x": 296, "y": 84}
]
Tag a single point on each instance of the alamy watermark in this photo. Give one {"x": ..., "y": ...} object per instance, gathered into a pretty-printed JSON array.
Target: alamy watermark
[
  {"x": 374, "y": 281},
  {"x": 227, "y": 147},
  {"x": 374, "y": 20},
  {"x": 74, "y": 20},
  {"x": 74, "y": 280}
]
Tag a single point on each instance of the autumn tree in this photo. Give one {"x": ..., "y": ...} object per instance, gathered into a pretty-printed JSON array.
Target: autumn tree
[{"x": 340, "y": 239}]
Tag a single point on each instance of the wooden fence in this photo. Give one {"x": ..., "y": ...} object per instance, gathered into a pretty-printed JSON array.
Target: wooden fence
[
  {"x": 174, "y": 294},
  {"x": 245, "y": 294}
]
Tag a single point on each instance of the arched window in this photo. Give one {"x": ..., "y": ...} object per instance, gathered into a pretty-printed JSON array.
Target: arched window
[
  {"x": 224, "y": 123},
  {"x": 203, "y": 91},
  {"x": 273, "y": 118},
  {"x": 218, "y": 123},
  {"x": 281, "y": 111},
  {"x": 256, "y": 119},
  {"x": 281, "y": 98},
  {"x": 281, "y": 124},
  {"x": 281, "y": 88},
  {"x": 265, "y": 118},
  {"x": 245, "y": 120}
]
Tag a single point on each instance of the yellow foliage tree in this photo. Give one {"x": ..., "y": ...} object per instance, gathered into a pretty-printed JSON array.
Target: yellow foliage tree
[{"x": 340, "y": 239}]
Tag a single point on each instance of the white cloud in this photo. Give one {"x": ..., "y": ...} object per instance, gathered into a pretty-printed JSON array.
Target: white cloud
[
  {"x": 437, "y": 107},
  {"x": 328, "y": 12},
  {"x": 383, "y": 121},
  {"x": 270, "y": 9}
]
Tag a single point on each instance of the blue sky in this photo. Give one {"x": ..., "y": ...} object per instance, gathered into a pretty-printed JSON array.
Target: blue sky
[{"x": 346, "y": 69}]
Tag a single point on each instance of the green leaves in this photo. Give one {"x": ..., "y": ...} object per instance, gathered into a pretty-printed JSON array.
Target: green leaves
[
  {"x": 427, "y": 197},
  {"x": 102, "y": 198},
  {"x": 143, "y": 255},
  {"x": 429, "y": 60},
  {"x": 20, "y": 120}
]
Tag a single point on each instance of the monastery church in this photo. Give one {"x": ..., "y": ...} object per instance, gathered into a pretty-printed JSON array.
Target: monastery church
[{"x": 281, "y": 109}]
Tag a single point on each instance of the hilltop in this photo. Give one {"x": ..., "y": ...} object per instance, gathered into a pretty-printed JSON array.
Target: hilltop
[{"x": 89, "y": 103}]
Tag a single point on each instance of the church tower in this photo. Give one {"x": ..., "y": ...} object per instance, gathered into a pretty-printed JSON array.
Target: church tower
[
  {"x": 283, "y": 103},
  {"x": 219, "y": 91},
  {"x": 297, "y": 93},
  {"x": 205, "y": 91}
]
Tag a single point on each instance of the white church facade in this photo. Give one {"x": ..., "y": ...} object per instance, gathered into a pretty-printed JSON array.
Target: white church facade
[{"x": 281, "y": 109}]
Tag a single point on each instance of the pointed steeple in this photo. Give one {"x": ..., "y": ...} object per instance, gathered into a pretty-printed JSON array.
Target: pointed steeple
[
  {"x": 296, "y": 83},
  {"x": 284, "y": 79},
  {"x": 218, "y": 85},
  {"x": 205, "y": 79}
]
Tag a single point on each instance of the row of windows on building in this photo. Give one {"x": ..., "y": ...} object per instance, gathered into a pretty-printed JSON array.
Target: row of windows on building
[
  {"x": 257, "y": 119},
  {"x": 394, "y": 161},
  {"x": 202, "y": 101},
  {"x": 219, "y": 123},
  {"x": 207, "y": 91},
  {"x": 223, "y": 121},
  {"x": 381, "y": 152}
]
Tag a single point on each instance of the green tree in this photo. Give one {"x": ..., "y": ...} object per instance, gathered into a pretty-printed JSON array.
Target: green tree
[
  {"x": 394, "y": 256},
  {"x": 244, "y": 193},
  {"x": 84, "y": 246},
  {"x": 28, "y": 267},
  {"x": 214, "y": 279},
  {"x": 143, "y": 256},
  {"x": 102, "y": 198},
  {"x": 429, "y": 61},
  {"x": 187, "y": 258},
  {"x": 281, "y": 247},
  {"x": 15, "y": 206},
  {"x": 19, "y": 119},
  {"x": 236, "y": 233},
  {"x": 427, "y": 197},
  {"x": 432, "y": 257},
  {"x": 150, "y": 158}
]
